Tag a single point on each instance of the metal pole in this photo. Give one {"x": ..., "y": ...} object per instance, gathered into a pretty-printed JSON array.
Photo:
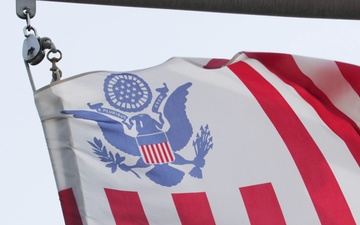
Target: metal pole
[{"x": 335, "y": 9}]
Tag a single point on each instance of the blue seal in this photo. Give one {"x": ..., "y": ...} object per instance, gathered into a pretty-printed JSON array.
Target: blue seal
[
  {"x": 157, "y": 149},
  {"x": 127, "y": 92}
]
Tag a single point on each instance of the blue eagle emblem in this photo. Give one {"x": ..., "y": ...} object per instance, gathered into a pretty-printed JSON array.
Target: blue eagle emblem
[{"x": 155, "y": 148}]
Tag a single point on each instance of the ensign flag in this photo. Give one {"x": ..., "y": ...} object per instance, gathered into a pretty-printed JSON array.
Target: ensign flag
[{"x": 265, "y": 139}]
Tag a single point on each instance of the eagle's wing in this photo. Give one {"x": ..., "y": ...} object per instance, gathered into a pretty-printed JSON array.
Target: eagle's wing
[
  {"x": 112, "y": 130},
  {"x": 180, "y": 130}
]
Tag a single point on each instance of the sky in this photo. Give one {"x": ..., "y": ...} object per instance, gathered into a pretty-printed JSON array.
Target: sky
[{"x": 93, "y": 37}]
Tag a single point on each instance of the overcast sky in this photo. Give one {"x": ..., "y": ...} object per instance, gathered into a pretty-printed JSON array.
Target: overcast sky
[{"x": 124, "y": 39}]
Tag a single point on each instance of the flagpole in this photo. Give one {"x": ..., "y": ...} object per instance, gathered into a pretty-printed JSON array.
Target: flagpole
[{"x": 330, "y": 9}]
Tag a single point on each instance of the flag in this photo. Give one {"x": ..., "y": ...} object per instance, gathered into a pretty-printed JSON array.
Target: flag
[{"x": 264, "y": 138}]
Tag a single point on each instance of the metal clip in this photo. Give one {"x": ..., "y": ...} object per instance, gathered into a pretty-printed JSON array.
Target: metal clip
[
  {"x": 56, "y": 72},
  {"x": 34, "y": 47},
  {"x": 46, "y": 43}
]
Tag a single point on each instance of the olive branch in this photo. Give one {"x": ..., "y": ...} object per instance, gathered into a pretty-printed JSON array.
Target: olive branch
[{"x": 113, "y": 161}]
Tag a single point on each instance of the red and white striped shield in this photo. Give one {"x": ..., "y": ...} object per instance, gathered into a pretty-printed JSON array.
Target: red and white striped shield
[{"x": 155, "y": 148}]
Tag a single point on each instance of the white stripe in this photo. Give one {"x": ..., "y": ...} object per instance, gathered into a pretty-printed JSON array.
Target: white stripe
[
  {"x": 162, "y": 153},
  {"x": 149, "y": 154},
  {"x": 145, "y": 154},
  {"x": 159, "y": 207},
  {"x": 327, "y": 77},
  {"x": 167, "y": 151},
  {"x": 157, "y": 153}
]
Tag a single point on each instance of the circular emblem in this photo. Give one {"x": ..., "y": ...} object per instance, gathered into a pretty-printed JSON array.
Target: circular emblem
[{"x": 127, "y": 92}]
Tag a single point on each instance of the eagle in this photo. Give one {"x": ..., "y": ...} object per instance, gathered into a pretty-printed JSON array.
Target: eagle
[{"x": 178, "y": 134}]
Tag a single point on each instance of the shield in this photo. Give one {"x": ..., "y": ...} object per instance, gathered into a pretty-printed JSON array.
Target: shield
[{"x": 155, "y": 148}]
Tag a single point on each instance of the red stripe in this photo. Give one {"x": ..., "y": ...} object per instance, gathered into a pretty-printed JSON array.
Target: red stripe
[
  {"x": 216, "y": 63},
  {"x": 148, "y": 150},
  {"x": 160, "y": 152},
  {"x": 169, "y": 151},
  {"x": 318, "y": 178},
  {"x": 69, "y": 207},
  {"x": 154, "y": 152},
  {"x": 126, "y": 207},
  {"x": 193, "y": 208},
  {"x": 262, "y": 205},
  {"x": 285, "y": 67},
  {"x": 166, "y": 154},
  {"x": 351, "y": 73},
  {"x": 143, "y": 149}
]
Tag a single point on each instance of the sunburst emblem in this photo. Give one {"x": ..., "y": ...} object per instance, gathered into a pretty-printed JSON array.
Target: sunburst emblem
[{"x": 127, "y": 92}]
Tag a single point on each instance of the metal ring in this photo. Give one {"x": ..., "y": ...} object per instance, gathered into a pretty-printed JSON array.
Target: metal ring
[
  {"x": 54, "y": 58},
  {"x": 29, "y": 29}
]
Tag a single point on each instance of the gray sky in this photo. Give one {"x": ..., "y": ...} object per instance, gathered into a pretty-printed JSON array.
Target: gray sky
[{"x": 124, "y": 39}]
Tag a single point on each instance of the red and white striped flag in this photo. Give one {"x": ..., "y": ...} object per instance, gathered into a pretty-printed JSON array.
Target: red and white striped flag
[{"x": 264, "y": 139}]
